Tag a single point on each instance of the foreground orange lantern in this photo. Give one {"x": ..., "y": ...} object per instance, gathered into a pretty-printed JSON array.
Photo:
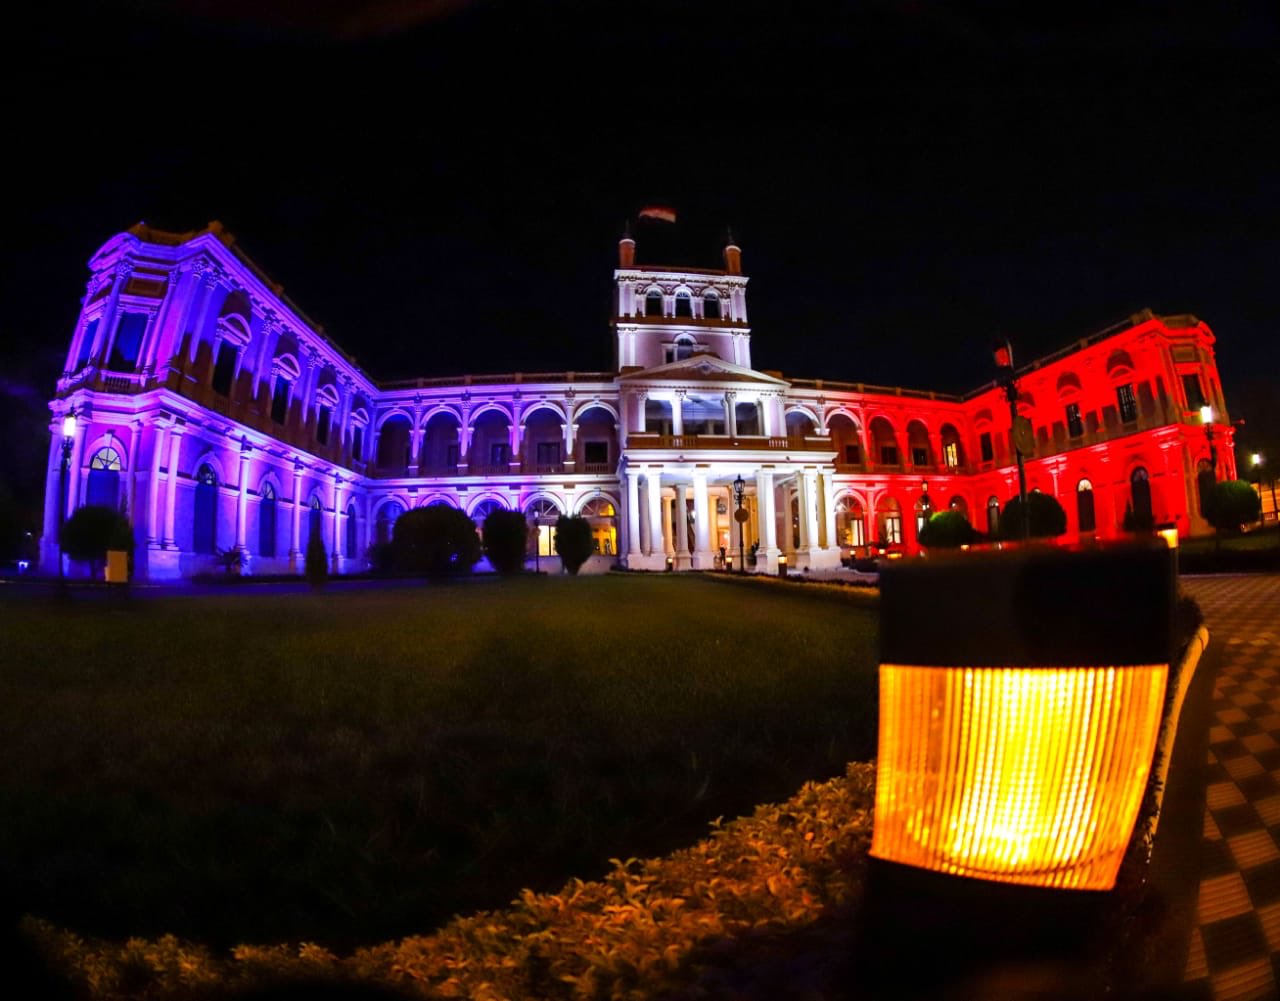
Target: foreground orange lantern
[
  {"x": 1022, "y": 775},
  {"x": 1029, "y": 767}
]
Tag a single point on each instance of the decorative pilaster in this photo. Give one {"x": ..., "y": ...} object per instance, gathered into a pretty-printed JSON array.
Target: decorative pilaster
[
  {"x": 702, "y": 558},
  {"x": 153, "y": 488},
  {"x": 653, "y": 485},
  {"x": 171, "y": 495},
  {"x": 295, "y": 553},
  {"x": 767, "y": 528},
  {"x": 242, "y": 497},
  {"x": 633, "y": 514}
]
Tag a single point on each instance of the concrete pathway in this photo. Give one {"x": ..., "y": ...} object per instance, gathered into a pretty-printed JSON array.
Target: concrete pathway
[{"x": 1235, "y": 948}]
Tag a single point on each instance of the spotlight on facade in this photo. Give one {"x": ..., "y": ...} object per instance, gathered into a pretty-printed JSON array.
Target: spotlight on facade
[{"x": 1021, "y": 755}]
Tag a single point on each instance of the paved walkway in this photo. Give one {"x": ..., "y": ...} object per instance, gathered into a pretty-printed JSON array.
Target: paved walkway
[{"x": 1235, "y": 948}]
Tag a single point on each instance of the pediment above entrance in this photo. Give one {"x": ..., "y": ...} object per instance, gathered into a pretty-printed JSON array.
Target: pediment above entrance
[{"x": 702, "y": 368}]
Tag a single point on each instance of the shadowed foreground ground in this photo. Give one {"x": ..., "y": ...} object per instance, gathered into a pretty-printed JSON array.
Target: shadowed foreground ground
[{"x": 349, "y": 767}]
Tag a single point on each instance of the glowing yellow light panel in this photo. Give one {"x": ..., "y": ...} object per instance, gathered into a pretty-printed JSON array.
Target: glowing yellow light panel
[{"x": 1021, "y": 775}]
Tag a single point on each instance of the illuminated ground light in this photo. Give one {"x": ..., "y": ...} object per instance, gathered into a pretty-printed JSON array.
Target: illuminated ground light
[{"x": 1015, "y": 774}]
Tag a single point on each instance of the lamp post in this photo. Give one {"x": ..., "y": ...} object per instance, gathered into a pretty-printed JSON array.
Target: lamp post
[
  {"x": 1257, "y": 460},
  {"x": 68, "y": 442},
  {"x": 740, "y": 488},
  {"x": 1003, "y": 352},
  {"x": 1206, "y": 418}
]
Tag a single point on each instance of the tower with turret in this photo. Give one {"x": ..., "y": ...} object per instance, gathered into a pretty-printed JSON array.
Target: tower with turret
[{"x": 664, "y": 312}]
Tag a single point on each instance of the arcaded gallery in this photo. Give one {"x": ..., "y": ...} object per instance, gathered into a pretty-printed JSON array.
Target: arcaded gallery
[{"x": 220, "y": 417}]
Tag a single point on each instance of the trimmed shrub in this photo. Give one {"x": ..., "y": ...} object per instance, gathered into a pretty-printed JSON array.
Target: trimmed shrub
[
  {"x": 91, "y": 531},
  {"x": 1048, "y": 519},
  {"x": 947, "y": 530},
  {"x": 574, "y": 543},
  {"x": 1234, "y": 504},
  {"x": 506, "y": 540},
  {"x": 317, "y": 562},
  {"x": 435, "y": 540}
]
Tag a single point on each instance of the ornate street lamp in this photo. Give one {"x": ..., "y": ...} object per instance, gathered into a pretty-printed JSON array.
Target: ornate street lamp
[
  {"x": 68, "y": 442},
  {"x": 1206, "y": 418},
  {"x": 741, "y": 516},
  {"x": 1023, "y": 439}
]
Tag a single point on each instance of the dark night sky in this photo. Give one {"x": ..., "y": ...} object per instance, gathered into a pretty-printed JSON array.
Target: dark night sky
[{"x": 442, "y": 184}]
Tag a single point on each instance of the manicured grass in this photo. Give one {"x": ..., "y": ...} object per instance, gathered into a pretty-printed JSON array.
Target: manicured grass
[
  {"x": 350, "y": 767},
  {"x": 1257, "y": 540}
]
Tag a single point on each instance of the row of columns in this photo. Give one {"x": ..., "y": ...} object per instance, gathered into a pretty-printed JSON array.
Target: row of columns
[{"x": 655, "y": 527}]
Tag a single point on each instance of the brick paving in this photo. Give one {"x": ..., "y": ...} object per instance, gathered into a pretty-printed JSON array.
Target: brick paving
[{"x": 1235, "y": 946}]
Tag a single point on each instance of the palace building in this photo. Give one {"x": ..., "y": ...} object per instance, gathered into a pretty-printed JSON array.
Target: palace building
[{"x": 219, "y": 416}]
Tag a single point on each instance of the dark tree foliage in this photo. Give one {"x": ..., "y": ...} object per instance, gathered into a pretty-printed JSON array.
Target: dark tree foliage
[
  {"x": 506, "y": 540},
  {"x": 91, "y": 531},
  {"x": 1048, "y": 519},
  {"x": 574, "y": 543},
  {"x": 1234, "y": 504},
  {"x": 947, "y": 530},
  {"x": 1138, "y": 523},
  {"x": 435, "y": 540},
  {"x": 316, "y": 567}
]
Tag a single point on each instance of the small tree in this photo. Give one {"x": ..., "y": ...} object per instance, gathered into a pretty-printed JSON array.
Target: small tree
[
  {"x": 1234, "y": 504},
  {"x": 91, "y": 531},
  {"x": 1047, "y": 517},
  {"x": 574, "y": 542},
  {"x": 506, "y": 540},
  {"x": 316, "y": 567},
  {"x": 947, "y": 530},
  {"x": 435, "y": 540}
]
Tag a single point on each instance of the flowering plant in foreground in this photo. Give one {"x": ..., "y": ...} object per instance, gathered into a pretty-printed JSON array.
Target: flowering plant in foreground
[{"x": 630, "y": 935}]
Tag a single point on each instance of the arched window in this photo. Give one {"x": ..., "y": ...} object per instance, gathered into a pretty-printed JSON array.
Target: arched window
[
  {"x": 204, "y": 522},
  {"x": 924, "y": 511},
  {"x": 851, "y": 525},
  {"x": 711, "y": 306},
  {"x": 653, "y": 303},
  {"x": 1140, "y": 488},
  {"x": 267, "y": 521},
  {"x": 388, "y": 515},
  {"x": 684, "y": 305},
  {"x": 103, "y": 488},
  {"x": 544, "y": 514},
  {"x": 353, "y": 532},
  {"x": 604, "y": 525},
  {"x": 683, "y": 348},
  {"x": 280, "y": 398},
  {"x": 224, "y": 367},
  {"x": 1204, "y": 486},
  {"x": 890, "y": 516},
  {"x": 315, "y": 521},
  {"x": 1084, "y": 506},
  {"x": 484, "y": 509},
  {"x": 993, "y": 515}
]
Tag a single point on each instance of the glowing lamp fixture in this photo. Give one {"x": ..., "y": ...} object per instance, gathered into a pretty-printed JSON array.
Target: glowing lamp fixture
[
  {"x": 69, "y": 425},
  {"x": 1255, "y": 459},
  {"x": 1030, "y": 766},
  {"x": 1206, "y": 414},
  {"x": 1170, "y": 536},
  {"x": 1020, "y": 775}
]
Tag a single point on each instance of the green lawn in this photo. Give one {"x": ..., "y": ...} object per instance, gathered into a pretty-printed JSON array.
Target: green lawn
[
  {"x": 1254, "y": 541},
  {"x": 350, "y": 767}
]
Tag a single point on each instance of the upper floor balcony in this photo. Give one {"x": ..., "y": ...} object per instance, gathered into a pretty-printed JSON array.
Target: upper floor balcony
[{"x": 724, "y": 442}]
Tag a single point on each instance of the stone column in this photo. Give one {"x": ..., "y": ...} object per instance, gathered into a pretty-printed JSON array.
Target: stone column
[
  {"x": 570, "y": 437},
  {"x": 731, "y": 412},
  {"x": 829, "y": 510},
  {"x": 131, "y": 489},
  {"x": 677, "y": 412},
  {"x": 153, "y": 489},
  {"x": 639, "y": 401},
  {"x": 170, "y": 540},
  {"x": 702, "y": 557},
  {"x": 668, "y": 535},
  {"x": 904, "y": 451},
  {"x": 810, "y": 511},
  {"x": 646, "y": 538},
  {"x": 73, "y": 471},
  {"x": 653, "y": 484},
  {"x": 53, "y": 474},
  {"x": 682, "y": 522},
  {"x": 294, "y": 552},
  {"x": 633, "y": 514},
  {"x": 242, "y": 498},
  {"x": 768, "y": 525},
  {"x": 337, "y": 521},
  {"x": 105, "y": 333},
  {"x": 802, "y": 502}
]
